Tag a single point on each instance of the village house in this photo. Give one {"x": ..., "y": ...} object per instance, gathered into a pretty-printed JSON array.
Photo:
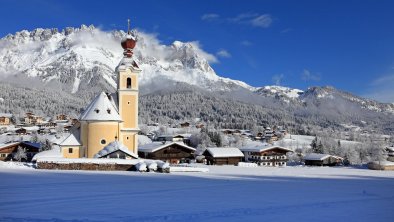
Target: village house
[
  {"x": 172, "y": 152},
  {"x": 5, "y": 118},
  {"x": 31, "y": 119},
  {"x": 265, "y": 154},
  {"x": 61, "y": 117},
  {"x": 317, "y": 159},
  {"x": 223, "y": 156},
  {"x": 8, "y": 150}
]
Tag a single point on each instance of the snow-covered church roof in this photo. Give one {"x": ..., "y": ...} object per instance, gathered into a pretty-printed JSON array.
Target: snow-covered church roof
[
  {"x": 113, "y": 147},
  {"x": 101, "y": 109}
]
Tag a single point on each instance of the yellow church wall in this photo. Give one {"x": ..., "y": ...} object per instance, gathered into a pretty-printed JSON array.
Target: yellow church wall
[
  {"x": 123, "y": 75},
  {"x": 84, "y": 136},
  {"x": 129, "y": 111},
  {"x": 98, "y": 131},
  {"x": 130, "y": 141},
  {"x": 134, "y": 82},
  {"x": 75, "y": 151}
]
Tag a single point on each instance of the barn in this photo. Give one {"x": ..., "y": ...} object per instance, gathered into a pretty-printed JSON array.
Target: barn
[
  {"x": 318, "y": 159},
  {"x": 172, "y": 152},
  {"x": 223, "y": 156}
]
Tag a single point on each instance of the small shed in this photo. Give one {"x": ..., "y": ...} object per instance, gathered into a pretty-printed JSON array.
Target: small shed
[
  {"x": 223, "y": 156},
  {"x": 172, "y": 152},
  {"x": 185, "y": 125},
  {"x": 317, "y": 159},
  {"x": 21, "y": 131}
]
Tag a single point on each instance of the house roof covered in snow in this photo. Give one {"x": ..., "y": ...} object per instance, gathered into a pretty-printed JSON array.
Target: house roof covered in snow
[
  {"x": 6, "y": 115},
  {"x": 71, "y": 140},
  {"x": 316, "y": 156},
  {"x": 101, "y": 109},
  {"x": 113, "y": 147},
  {"x": 255, "y": 146},
  {"x": 155, "y": 146},
  {"x": 224, "y": 152}
]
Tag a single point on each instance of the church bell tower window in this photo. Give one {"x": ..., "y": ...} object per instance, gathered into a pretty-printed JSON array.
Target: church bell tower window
[{"x": 128, "y": 85}]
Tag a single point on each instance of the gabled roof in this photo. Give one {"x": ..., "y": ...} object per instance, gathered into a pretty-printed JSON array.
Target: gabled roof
[
  {"x": 261, "y": 147},
  {"x": 113, "y": 147},
  {"x": 128, "y": 62},
  {"x": 71, "y": 140},
  {"x": 155, "y": 146},
  {"x": 101, "y": 109},
  {"x": 316, "y": 156},
  {"x": 7, "y": 145},
  {"x": 225, "y": 152}
]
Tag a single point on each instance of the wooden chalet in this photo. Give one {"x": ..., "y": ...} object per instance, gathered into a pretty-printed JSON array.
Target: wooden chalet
[
  {"x": 265, "y": 154},
  {"x": 317, "y": 159},
  {"x": 8, "y": 150},
  {"x": 223, "y": 156},
  {"x": 172, "y": 152}
]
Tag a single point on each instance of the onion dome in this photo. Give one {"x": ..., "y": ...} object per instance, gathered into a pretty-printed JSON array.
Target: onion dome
[{"x": 128, "y": 43}]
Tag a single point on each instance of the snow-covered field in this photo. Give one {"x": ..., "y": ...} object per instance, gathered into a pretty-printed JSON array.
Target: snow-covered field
[{"x": 225, "y": 193}]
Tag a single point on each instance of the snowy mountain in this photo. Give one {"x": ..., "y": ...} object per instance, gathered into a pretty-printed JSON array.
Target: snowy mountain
[
  {"x": 80, "y": 58},
  {"x": 75, "y": 64}
]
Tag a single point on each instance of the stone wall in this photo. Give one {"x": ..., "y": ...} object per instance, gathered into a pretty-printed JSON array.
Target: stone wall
[{"x": 85, "y": 166}]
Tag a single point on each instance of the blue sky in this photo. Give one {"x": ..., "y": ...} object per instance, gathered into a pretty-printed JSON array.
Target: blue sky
[{"x": 345, "y": 44}]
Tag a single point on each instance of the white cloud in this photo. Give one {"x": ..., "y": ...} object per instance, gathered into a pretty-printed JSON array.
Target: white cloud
[
  {"x": 277, "y": 79},
  {"x": 263, "y": 21},
  {"x": 286, "y": 30},
  {"x": 208, "y": 56},
  {"x": 253, "y": 19},
  {"x": 308, "y": 76},
  {"x": 246, "y": 43},
  {"x": 382, "y": 89},
  {"x": 209, "y": 17},
  {"x": 223, "y": 53}
]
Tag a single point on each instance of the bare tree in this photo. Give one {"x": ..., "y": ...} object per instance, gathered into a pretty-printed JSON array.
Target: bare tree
[{"x": 20, "y": 154}]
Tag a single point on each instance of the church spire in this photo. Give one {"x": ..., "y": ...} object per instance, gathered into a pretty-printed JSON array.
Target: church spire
[
  {"x": 128, "y": 26},
  {"x": 129, "y": 42}
]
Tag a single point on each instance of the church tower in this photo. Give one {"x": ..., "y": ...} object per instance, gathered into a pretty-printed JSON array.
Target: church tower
[{"x": 127, "y": 91}]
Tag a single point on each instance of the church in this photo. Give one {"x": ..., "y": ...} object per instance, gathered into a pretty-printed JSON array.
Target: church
[{"x": 108, "y": 127}]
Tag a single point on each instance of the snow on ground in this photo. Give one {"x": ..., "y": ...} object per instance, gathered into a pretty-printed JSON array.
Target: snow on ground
[
  {"x": 225, "y": 193},
  {"x": 303, "y": 141}
]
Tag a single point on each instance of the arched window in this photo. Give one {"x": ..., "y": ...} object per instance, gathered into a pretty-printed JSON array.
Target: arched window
[{"x": 128, "y": 83}]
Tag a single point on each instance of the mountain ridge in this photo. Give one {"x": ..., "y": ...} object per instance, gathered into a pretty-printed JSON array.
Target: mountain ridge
[{"x": 81, "y": 62}]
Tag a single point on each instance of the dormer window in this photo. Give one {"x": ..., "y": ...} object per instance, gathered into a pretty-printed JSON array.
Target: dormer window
[
  {"x": 97, "y": 110},
  {"x": 128, "y": 84},
  {"x": 109, "y": 111}
]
